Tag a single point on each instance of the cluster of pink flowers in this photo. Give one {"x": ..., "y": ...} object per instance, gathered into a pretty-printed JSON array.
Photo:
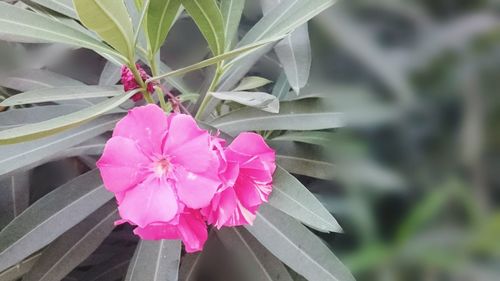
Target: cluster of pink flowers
[
  {"x": 130, "y": 83},
  {"x": 172, "y": 178}
]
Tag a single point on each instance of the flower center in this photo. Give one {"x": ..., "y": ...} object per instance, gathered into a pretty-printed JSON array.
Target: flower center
[{"x": 161, "y": 167}]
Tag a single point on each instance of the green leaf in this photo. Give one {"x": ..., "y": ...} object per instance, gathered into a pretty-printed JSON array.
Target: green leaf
[
  {"x": 262, "y": 101},
  {"x": 216, "y": 59},
  {"x": 17, "y": 24},
  {"x": 293, "y": 198},
  {"x": 33, "y": 79},
  {"x": 63, "y": 93},
  {"x": 297, "y": 247},
  {"x": 160, "y": 17},
  {"x": 155, "y": 261},
  {"x": 299, "y": 115},
  {"x": 110, "y": 74},
  {"x": 254, "y": 260},
  {"x": 189, "y": 265},
  {"x": 15, "y": 196},
  {"x": 231, "y": 13},
  {"x": 251, "y": 82},
  {"x": 109, "y": 19},
  {"x": 325, "y": 139},
  {"x": 281, "y": 87},
  {"x": 294, "y": 53},
  {"x": 51, "y": 216},
  {"x": 64, "y": 7},
  {"x": 29, "y": 154},
  {"x": 284, "y": 18},
  {"x": 74, "y": 246},
  {"x": 209, "y": 20},
  {"x": 52, "y": 126},
  {"x": 20, "y": 269}
]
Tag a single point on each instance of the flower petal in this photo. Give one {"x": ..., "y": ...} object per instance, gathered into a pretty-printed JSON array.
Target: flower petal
[
  {"x": 157, "y": 231},
  {"x": 145, "y": 124},
  {"x": 193, "y": 231},
  {"x": 251, "y": 145},
  {"x": 196, "y": 190},
  {"x": 188, "y": 145},
  {"x": 122, "y": 164},
  {"x": 151, "y": 201},
  {"x": 223, "y": 206}
]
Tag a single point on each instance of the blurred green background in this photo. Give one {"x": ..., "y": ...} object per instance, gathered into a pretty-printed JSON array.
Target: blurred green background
[{"x": 417, "y": 174}]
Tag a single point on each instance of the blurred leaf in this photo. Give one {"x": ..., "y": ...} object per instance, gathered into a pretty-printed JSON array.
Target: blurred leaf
[
  {"x": 281, "y": 87},
  {"x": 15, "y": 196},
  {"x": 21, "y": 25},
  {"x": 189, "y": 265},
  {"x": 300, "y": 115},
  {"x": 231, "y": 13},
  {"x": 29, "y": 154},
  {"x": 74, "y": 246},
  {"x": 155, "y": 261},
  {"x": 284, "y": 18},
  {"x": 64, "y": 7},
  {"x": 209, "y": 20},
  {"x": 33, "y": 79},
  {"x": 294, "y": 53},
  {"x": 20, "y": 269},
  {"x": 297, "y": 247},
  {"x": 113, "y": 268},
  {"x": 262, "y": 101},
  {"x": 251, "y": 82},
  {"x": 293, "y": 198},
  {"x": 304, "y": 161},
  {"x": 160, "y": 17},
  {"x": 63, "y": 93},
  {"x": 325, "y": 139},
  {"x": 52, "y": 126},
  {"x": 109, "y": 19},
  {"x": 254, "y": 259},
  {"x": 50, "y": 217},
  {"x": 110, "y": 75}
]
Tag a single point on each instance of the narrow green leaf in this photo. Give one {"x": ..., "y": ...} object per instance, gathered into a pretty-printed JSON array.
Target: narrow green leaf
[
  {"x": 17, "y": 24},
  {"x": 63, "y": 93},
  {"x": 189, "y": 265},
  {"x": 52, "y": 126},
  {"x": 306, "y": 166},
  {"x": 33, "y": 79},
  {"x": 208, "y": 17},
  {"x": 324, "y": 139},
  {"x": 74, "y": 246},
  {"x": 64, "y": 7},
  {"x": 216, "y": 59},
  {"x": 155, "y": 261},
  {"x": 231, "y": 13},
  {"x": 299, "y": 115},
  {"x": 20, "y": 269},
  {"x": 15, "y": 196},
  {"x": 110, "y": 74},
  {"x": 51, "y": 216},
  {"x": 29, "y": 154},
  {"x": 284, "y": 18},
  {"x": 297, "y": 247},
  {"x": 293, "y": 198},
  {"x": 251, "y": 82},
  {"x": 160, "y": 17},
  {"x": 255, "y": 261},
  {"x": 262, "y": 101},
  {"x": 109, "y": 19},
  {"x": 281, "y": 87}
]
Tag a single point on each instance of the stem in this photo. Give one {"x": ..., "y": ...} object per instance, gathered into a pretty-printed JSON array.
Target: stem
[
  {"x": 208, "y": 96},
  {"x": 138, "y": 79},
  {"x": 159, "y": 90}
]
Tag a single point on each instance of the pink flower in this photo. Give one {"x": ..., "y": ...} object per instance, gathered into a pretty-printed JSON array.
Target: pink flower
[
  {"x": 129, "y": 82},
  {"x": 248, "y": 164},
  {"x": 160, "y": 168}
]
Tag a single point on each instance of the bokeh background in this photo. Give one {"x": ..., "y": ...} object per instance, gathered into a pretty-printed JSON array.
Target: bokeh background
[{"x": 417, "y": 171}]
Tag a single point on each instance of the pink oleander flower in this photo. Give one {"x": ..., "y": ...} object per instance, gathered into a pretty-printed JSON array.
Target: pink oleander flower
[
  {"x": 129, "y": 82},
  {"x": 247, "y": 167},
  {"x": 161, "y": 169}
]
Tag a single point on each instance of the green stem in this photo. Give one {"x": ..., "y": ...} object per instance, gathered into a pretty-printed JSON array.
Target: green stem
[
  {"x": 138, "y": 79},
  {"x": 208, "y": 96},
  {"x": 159, "y": 90}
]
